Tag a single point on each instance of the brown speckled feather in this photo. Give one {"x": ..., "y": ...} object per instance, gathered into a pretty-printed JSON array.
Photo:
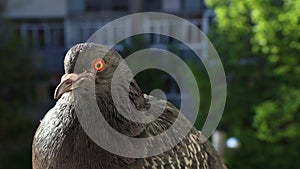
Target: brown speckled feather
[{"x": 192, "y": 152}]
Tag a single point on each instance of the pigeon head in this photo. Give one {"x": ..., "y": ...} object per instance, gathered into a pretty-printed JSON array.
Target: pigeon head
[
  {"x": 89, "y": 70},
  {"x": 88, "y": 62}
]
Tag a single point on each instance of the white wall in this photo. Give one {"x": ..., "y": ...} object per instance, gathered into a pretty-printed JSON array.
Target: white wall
[{"x": 35, "y": 8}]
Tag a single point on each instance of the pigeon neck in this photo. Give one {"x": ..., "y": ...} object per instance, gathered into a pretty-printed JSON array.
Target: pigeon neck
[{"x": 115, "y": 118}]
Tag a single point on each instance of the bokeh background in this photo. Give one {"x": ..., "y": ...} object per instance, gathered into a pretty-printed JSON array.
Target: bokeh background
[{"x": 258, "y": 43}]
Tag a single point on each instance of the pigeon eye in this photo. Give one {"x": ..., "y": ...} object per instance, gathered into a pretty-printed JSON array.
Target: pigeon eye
[{"x": 98, "y": 65}]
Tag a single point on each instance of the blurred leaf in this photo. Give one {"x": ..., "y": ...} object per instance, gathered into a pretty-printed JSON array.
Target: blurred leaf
[{"x": 258, "y": 42}]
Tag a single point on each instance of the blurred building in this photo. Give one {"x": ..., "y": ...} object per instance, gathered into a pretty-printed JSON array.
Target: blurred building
[{"x": 51, "y": 27}]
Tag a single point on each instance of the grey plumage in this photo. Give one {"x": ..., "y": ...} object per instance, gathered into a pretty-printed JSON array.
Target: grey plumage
[{"x": 61, "y": 143}]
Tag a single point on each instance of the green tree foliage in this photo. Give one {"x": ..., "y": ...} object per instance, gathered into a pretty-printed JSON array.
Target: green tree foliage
[
  {"x": 259, "y": 43},
  {"x": 17, "y": 77}
]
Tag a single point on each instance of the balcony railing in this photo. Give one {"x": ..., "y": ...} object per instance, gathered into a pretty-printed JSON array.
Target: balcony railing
[
  {"x": 80, "y": 31},
  {"x": 70, "y": 31}
]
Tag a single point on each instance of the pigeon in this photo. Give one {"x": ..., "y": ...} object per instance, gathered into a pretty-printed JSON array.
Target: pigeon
[{"x": 60, "y": 141}]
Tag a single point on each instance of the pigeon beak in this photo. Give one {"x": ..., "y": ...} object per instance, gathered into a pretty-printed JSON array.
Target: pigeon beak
[{"x": 66, "y": 84}]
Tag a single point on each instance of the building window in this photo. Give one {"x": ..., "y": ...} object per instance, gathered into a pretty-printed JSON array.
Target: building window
[
  {"x": 151, "y": 6},
  {"x": 92, "y": 5},
  {"x": 171, "y": 5},
  {"x": 193, "y": 7},
  {"x": 118, "y": 5},
  {"x": 43, "y": 35},
  {"x": 106, "y": 5}
]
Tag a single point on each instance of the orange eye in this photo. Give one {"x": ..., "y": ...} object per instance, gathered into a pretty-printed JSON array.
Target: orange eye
[{"x": 98, "y": 65}]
